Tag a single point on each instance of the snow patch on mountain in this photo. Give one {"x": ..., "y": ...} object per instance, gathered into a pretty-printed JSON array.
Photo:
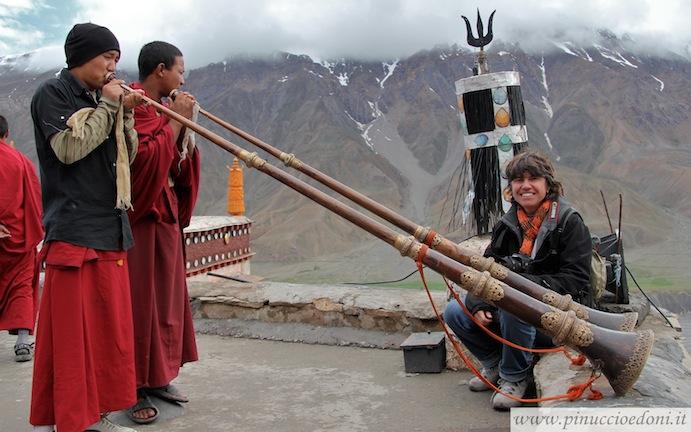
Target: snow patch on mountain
[
  {"x": 571, "y": 49},
  {"x": 544, "y": 74},
  {"x": 376, "y": 112},
  {"x": 328, "y": 65},
  {"x": 551, "y": 147},
  {"x": 615, "y": 56},
  {"x": 315, "y": 74},
  {"x": 389, "y": 68},
  {"x": 563, "y": 46},
  {"x": 343, "y": 79},
  {"x": 364, "y": 128},
  {"x": 548, "y": 107},
  {"x": 545, "y": 98}
]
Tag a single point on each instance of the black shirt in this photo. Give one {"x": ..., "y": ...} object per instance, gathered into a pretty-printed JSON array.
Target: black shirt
[{"x": 78, "y": 199}]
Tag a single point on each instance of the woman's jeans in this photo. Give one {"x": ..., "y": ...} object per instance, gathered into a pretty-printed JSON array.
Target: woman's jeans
[{"x": 514, "y": 365}]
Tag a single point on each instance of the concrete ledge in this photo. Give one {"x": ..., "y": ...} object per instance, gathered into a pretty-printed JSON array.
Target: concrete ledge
[
  {"x": 300, "y": 333},
  {"x": 320, "y": 314},
  {"x": 387, "y": 310}
]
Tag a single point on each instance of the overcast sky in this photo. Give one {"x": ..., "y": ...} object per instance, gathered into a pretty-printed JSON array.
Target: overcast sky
[{"x": 210, "y": 30}]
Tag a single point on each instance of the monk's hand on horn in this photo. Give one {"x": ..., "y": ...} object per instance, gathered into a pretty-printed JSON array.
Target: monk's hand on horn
[
  {"x": 112, "y": 90},
  {"x": 183, "y": 104},
  {"x": 133, "y": 98},
  {"x": 4, "y": 232}
]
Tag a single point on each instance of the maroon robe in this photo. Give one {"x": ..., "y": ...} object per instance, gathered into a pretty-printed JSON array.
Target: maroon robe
[
  {"x": 20, "y": 213},
  {"x": 163, "y": 328},
  {"x": 84, "y": 363}
]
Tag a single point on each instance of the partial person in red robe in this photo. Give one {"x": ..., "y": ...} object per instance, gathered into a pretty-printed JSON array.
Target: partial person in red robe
[
  {"x": 165, "y": 181},
  {"x": 20, "y": 232}
]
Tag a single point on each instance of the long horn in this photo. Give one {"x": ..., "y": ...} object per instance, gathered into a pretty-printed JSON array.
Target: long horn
[
  {"x": 624, "y": 322},
  {"x": 620, "y": 356}
]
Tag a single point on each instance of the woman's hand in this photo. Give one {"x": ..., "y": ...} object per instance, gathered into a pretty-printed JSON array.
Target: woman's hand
[{"x": 485, "y": 317}]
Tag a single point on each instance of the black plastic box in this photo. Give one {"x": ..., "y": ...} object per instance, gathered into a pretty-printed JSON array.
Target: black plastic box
[{"x": 424, "y": 352}]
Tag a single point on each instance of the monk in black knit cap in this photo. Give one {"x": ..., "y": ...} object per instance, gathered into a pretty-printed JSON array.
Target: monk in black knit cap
[
  {"x": 85, "y": 140},
  {"x": 86, "y": 41}
]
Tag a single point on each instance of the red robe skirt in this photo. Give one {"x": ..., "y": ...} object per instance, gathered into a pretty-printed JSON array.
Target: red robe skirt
[
  {"x": 163, "y": 328},
  {"x": 84, "y": 362},
  {"x": 17, "y": 291}
]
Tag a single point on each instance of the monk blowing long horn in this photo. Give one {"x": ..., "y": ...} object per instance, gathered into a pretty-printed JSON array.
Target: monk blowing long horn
[
  {"x": 623, "y": 322},
  {"x": 620, "y": 356}
]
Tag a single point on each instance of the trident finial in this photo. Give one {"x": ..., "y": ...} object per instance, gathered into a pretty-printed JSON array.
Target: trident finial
[{"x": 481, "y": 40}]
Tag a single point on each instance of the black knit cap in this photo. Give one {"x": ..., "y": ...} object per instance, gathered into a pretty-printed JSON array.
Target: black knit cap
[{"x": 86, "y": 41}]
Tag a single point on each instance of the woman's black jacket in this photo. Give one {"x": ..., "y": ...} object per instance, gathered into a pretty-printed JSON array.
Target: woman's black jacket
[{"x": 561, "y": 254}]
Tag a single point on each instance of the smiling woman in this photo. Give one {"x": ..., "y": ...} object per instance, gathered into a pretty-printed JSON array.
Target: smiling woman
[
  {"x": 531, "y": 180},
  {"x": 535, "y": 240}
]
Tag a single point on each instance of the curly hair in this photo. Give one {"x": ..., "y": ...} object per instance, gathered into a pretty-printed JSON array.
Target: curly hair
[{"x": 537, "y": 165}]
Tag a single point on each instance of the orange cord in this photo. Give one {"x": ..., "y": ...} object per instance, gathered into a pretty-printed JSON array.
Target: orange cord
[{"x": 430, "y": 237}]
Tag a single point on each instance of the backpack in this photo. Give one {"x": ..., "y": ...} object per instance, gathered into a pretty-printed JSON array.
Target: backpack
[
  {"x": 607, "y": 268},
  {"x": 612, "y": 253}
]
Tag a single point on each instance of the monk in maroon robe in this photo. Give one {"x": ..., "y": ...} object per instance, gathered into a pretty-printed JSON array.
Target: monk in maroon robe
[
  {"x": 165, "y": 181},
  {"x": 20, "y": 233}
]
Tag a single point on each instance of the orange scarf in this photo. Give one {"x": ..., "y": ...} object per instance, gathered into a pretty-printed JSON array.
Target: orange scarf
[{"x": 531, "y": 225}]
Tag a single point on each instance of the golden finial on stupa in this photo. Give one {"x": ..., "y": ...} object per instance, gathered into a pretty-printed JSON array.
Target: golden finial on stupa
[{"x": 236, "y": 194}]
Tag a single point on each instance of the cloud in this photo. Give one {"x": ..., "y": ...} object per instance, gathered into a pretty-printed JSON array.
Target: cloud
[
  {"x": 210, "y": 30},
  {"x": 15, "y": 34},
  {"x": 14, "y": 7}
]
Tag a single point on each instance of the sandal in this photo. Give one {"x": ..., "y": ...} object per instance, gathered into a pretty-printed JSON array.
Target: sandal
[
  {"x": 23, "y": 352},
  {"x": 169, "y": 393},
  {"x": 143, "y": 403}
]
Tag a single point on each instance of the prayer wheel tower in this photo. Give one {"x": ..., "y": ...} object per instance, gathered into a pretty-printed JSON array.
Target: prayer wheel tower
[{"x": 492, "y": 120}]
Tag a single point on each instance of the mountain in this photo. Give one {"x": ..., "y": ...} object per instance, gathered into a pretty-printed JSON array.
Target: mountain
[{"x": 613, "y": 120}]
